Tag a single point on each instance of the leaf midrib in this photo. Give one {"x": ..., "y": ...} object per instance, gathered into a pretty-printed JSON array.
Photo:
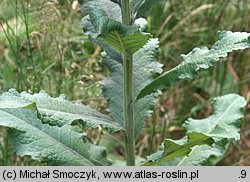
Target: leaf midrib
[
  {"x": 87, "y": 117},
  {"x": 52, "y": 138},
  {"x": 220, "y": 117}
]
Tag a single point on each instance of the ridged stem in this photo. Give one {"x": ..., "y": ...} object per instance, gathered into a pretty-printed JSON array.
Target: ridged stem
[{"x": 128, "y": 92}]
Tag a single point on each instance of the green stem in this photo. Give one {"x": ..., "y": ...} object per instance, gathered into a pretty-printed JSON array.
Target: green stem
[
  {"x": 128, "y": 110},
  {"x": 126, "y": 12},
  {"x": 128, "y": 92}
]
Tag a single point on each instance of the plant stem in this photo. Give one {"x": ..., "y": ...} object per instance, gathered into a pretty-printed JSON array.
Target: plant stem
[
  {"x": 128, "y": 110},
  {"x": 128, "y": 92},
  {"x": 126, "y": 12}
]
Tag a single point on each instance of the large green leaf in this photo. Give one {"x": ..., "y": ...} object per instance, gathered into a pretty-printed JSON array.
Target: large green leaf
[
  {"x": 176, "y": 149},
  {"x": 144, "y": 67},
  {"x": 223, "y": 126},
  {"x": 199, "y": 59},
  {"x": 58, "y": 111},
  {"x": 45, "y": 143},
  {"x": 224, "y": 123}
]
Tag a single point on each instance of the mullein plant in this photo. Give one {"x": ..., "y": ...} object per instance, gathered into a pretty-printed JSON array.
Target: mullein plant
[{"x": 51, "y": 130}]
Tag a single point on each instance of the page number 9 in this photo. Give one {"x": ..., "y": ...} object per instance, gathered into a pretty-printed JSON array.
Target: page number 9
[{"x": 243, "y": 174}]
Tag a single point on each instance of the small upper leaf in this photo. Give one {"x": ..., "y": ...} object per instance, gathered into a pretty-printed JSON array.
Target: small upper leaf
[
  {"x": 103, "y": 23},
  {"x": 199, "y": 59},
  {"x": 111, "y": 9}
]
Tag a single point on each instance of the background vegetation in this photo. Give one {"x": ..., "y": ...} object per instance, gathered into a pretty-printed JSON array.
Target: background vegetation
[{"x": 42, "y": 47}]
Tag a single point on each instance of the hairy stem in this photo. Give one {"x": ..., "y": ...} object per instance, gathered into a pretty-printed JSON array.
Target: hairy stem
[
  {"x": 128, "y": 110},
  {"x": 128, "y": 93},
  {"x": 126, "y": 12}
]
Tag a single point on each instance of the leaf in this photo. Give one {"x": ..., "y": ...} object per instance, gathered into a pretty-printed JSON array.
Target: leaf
[
  {"x": 91, "y": 32},
  {"x": 125, "y": 39},
  {"x": 181, "y": 148},
  {"x": 203, "y": 155},
  {"x": 111, "y": 9},
  {"x": 199, "y": 59},
  {"x": 224, "y": 123},
  {"x": 50, "y": 144},
  {"x": 145, "y": 67},
  {"x": 104, "y": 23},
  {"x": 127, "y": 44},
  {"x": 113, "y": 54},
  {"x": 223, "y": 126},
  {"x": 58, "y": 111}
]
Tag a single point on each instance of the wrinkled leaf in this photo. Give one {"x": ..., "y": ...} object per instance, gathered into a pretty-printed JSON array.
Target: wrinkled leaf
[
  {"x": 45, "y": 143},
  {"x": 224, "y": 123},
  {"x": 103, "y": 22},
  {"x": 89, "y": 29},
  {"x": 223, "y": 126},
  {"x": 123, "y": 38},
  {"x": 145, "y": 67},
  {"x": 199, "y": 58},
  {"x": 58, "y": 111},
  {"x": 111, "y": 9}
]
